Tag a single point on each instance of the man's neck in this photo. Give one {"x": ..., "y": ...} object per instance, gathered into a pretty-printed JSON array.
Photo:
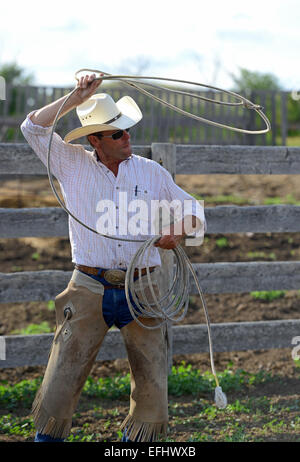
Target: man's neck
[{"x": 111, "y": 164}]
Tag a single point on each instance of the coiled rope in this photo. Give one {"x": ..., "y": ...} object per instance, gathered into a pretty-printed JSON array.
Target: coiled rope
[{"x": 173, "y": 305}]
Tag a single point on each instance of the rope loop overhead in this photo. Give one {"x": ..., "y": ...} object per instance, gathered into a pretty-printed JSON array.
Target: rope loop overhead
[{"x": 241, "y": 100}]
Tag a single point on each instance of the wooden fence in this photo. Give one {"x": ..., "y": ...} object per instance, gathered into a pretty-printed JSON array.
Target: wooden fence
[
  {"x": 160, "y": 123},
  {"x": 215, "y": 278}
]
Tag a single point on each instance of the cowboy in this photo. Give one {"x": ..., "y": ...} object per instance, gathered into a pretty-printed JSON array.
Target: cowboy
[{"x": 95, "y": 299}]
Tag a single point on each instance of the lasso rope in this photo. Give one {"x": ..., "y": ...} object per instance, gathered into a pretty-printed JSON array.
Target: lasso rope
[
  {"x": 129, "y": 80},
  {"x": 173, "y": 305}
]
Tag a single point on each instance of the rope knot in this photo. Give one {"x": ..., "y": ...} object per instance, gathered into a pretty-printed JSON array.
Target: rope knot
[{"x": 249, "y": 105}]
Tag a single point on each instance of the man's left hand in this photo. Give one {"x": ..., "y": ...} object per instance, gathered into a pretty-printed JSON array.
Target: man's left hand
[
  {"x": 173, "y": 235},
  {"x": 169, "y": 241}
]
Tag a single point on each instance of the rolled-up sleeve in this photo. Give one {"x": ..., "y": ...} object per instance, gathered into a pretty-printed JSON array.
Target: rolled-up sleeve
[
  {"x": 187, "y": 205},
  {"x": 62, "y": 155}
]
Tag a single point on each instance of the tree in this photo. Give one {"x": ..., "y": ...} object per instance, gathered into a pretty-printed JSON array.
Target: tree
[
  {"x": 248, "y": 81},
  {"x": 15, "y": 78},
  {"x": 15, "y": 75}
]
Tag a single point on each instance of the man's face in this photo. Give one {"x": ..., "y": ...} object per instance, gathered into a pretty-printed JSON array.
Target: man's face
[{"x": 119, "y": 149}]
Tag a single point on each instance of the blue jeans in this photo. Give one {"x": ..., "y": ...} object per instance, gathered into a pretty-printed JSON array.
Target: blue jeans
[
  {"x": 114, "y": 305},
  {"x": 40, "y": 438},
  {"x": 125, "y": 438}
]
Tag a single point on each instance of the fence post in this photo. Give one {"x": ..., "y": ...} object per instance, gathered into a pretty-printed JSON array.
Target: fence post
[
  {"x": 251, "y": 121},
  {"x": 273, "y": 118},
  {"x": 165, "y": 155},
  {"x": 284, "y": 121}
]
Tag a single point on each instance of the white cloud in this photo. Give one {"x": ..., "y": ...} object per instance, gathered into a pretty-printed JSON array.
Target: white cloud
[{"x": 55, "y": 40}]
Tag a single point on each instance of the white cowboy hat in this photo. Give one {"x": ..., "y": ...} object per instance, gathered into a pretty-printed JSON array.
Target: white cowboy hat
[{"x": 100, "y": 113}]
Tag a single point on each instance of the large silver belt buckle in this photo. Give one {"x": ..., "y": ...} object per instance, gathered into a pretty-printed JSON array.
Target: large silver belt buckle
[{"x": 115, "y": 277}]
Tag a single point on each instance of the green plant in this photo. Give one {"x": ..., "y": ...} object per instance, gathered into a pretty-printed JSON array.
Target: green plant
[
  {"x": 261, "y": 254},
  {"x": 236, "y": 435},
  {"x": 22, "y": 393},
  {"x": 222, "y": 242},
  {"x": 51, "y": 305},
  {"x": 119, "y": 434},
  {"x": 268, "y": 295},
  {"x": 289, "y": 199},
  {"x": 16, "y": 425},
  {"x": 33, "y": 329},
  {"x": 223, "y": 199},
  {"x": 16, "y": 268},
  {"x": 256, "y": 254},
  {"x": 184, "y": 380},
  {"x": 108, "y": 387},
  {"x": 275, "y": 426},
  {"x": 199, "y": 436},
  {"x": 272, "y": 256},
  {"x": 237, "y": 406},
  {"x": 82, "y": 436}
]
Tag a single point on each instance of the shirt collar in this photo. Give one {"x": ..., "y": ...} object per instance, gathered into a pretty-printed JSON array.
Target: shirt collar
[{"x": 96, "y": 158}]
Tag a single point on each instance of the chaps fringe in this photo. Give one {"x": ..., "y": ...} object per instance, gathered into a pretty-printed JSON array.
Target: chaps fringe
[
  {"x": 143, "y": 431},
  {"x": 46, "y": 424}
]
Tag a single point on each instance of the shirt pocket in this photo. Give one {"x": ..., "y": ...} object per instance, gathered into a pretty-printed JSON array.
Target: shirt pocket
[{"x": 140, "y": 208}]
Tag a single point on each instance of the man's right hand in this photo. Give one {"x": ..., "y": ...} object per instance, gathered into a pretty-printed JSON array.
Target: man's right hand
[{"x": 86, "y": 87}]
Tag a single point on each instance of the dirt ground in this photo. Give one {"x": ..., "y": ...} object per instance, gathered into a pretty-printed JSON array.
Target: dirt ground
[{"x": 30, "y": 254}]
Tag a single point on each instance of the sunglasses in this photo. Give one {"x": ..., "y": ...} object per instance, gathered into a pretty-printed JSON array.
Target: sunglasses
[{"x": 115, "y": 136}]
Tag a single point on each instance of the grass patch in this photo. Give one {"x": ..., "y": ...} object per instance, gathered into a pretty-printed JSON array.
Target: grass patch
[
  {"x": 223, "y": 199},
  {"x": 11, "y": 425},
  {"x": 82, "y": 435},
  {"x": 244, "y": 420},
  {"x": 32, "y": 329},
  {"x": 222, "y": 242},
  {"x": 184, "y": 380},
  {"x": 293, "y": 141},
  {"x": 261, "y": 254},
  {"x": 248, "y": 417},
  {"x": 51, "y": 305},
  {"x": 229, "y": 199},
  {"x": 268, "y": 295},
  {"x": 108, "y": 387},
  {"x": 20, "y": 394},
  {"x": 289, "y": 199}
]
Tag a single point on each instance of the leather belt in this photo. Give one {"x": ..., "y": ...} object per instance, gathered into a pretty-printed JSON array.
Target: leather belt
[{"x": 116, "y": 277}]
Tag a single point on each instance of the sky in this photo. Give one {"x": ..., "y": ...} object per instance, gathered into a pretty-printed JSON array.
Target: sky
[{"x": 192, "y": 40}]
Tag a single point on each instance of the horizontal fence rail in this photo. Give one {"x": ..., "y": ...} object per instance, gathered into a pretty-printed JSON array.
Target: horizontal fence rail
[
  {"x": 53, "y": 221},
  {"x": 18, "y": 160},
  {"x": 215, "y": 278},
  {"x": 243, "y": 160},
  {"x": 187, "y": 339}
]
